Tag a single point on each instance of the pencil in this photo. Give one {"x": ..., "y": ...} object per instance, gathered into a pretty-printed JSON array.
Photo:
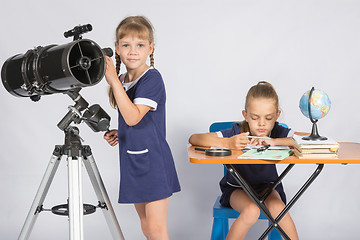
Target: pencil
[{"x": 258, "y": 137}]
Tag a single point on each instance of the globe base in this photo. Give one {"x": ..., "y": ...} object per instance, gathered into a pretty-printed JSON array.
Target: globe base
[{"x": 314, "y": 136}]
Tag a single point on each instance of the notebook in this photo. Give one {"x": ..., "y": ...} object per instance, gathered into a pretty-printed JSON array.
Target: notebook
[{"x": 274, "y": 155}]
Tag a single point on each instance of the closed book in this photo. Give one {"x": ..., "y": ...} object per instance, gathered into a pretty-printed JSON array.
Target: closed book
[
  {"x": 319, "y": 150},
  {"x": 314, "y": 155},
  {"x": 300, "y": 143}
]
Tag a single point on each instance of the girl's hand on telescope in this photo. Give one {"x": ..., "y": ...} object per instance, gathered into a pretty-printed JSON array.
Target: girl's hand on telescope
[
  {"x": 111, "y": 137},
  {"x": 110, "y": 74}
]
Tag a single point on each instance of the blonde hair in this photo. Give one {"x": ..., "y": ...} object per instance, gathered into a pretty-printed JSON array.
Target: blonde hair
[
  {"x": 133, "y": 25},
  {"x": 262, "y": 89}
]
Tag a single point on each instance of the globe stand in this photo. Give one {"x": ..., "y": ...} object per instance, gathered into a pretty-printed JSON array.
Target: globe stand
[{"x": 314, "y": 136}]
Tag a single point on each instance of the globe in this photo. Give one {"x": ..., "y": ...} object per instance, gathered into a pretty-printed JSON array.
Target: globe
[{"x": 319, "y": 104}]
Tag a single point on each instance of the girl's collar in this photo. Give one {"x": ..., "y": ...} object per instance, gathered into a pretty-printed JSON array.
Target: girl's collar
[{"x": 129, "y": 85}]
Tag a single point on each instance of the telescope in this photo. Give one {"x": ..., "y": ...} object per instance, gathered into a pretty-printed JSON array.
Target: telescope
[
  {"x": 56, "y": 68},
  {"x": 65, "y": 69}
]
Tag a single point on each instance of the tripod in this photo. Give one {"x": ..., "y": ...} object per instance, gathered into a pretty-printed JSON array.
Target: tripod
[{"x": 76, "y": 155}]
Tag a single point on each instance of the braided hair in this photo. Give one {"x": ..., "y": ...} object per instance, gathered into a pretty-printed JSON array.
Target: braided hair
[{"x": 133, "y": 24}]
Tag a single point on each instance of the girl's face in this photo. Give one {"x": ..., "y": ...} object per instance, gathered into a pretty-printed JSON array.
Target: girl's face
[
  {"x": 134, "y": 51},
  {"x": 261, "y": 115}
]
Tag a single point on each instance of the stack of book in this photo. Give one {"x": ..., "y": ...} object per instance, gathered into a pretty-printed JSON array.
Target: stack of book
[{"x": 315, "y": 149}]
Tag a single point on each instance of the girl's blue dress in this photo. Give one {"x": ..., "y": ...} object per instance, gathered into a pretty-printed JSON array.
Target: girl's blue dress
[{"x": 147, "y": 169}]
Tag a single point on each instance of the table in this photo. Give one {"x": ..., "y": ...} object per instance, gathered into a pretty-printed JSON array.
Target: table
[{"x": 349, "y": 153}]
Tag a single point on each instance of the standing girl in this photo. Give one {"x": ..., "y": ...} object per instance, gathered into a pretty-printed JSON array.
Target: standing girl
[
  {"x": 261, "y": 112},
  {"x": 147, "y": 171}
]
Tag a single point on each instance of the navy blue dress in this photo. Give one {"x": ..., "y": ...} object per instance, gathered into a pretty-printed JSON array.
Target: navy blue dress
[
  {"x": 259, "y": 176},
  {"x": 147, "y": 169}
]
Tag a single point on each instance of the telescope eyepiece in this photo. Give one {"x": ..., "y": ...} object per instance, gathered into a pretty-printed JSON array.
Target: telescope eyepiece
[
  {"x": 108, "y": 52},
  {"x": 77, "y": 31}
]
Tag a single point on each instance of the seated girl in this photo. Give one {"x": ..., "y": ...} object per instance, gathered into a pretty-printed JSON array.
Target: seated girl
[{"x": 260, "y": 114}]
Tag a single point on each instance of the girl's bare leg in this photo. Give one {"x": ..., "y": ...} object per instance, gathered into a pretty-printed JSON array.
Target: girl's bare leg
[
  {"x": 275, "y": 206},
  {"x": 249, "y": 214},
  {"x": 153, "y": 218},
  {"x": 140, "y": 208}
]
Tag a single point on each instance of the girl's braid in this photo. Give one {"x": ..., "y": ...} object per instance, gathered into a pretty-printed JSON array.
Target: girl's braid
[
  {"x": 152, "y": 59},
  {"x": 118, "y": 62}
]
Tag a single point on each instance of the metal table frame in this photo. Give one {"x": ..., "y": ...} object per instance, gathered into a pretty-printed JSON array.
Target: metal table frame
[{"x": 260, "y": 200}]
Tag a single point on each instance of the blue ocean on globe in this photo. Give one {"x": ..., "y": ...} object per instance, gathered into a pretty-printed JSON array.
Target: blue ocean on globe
[{"x": 319, "y": 105}]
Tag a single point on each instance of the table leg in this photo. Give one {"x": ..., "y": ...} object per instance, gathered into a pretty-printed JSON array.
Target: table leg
[
  {"x": 297, "y": 196},
  {"x": 260, "y": 202},
  {"x": 253, "y": 195},
  {"x": 277, "y": 182}
]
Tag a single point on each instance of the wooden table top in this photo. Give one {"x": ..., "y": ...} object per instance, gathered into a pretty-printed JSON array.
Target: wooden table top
[{"x": 349, "y": 152}]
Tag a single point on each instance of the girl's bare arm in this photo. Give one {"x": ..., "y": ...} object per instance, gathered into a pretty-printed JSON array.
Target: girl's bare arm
[
  {"x": 131, "y": 112},
  {"x": 212, "y": 140}
]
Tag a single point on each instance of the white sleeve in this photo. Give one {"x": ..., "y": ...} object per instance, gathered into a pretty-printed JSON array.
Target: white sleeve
[
  {"x": 291, "y": 133},
  {"x": 147, "y": 102}
]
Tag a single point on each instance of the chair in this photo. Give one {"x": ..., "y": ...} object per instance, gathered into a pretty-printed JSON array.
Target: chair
[{"x": 222, "y": 214}]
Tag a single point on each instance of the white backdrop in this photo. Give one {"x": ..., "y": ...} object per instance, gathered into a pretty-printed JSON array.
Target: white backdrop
[{"x": 209, "y": 54}]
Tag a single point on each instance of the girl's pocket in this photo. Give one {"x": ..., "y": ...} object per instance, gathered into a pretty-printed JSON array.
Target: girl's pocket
[{"x": 139, "y": 162}]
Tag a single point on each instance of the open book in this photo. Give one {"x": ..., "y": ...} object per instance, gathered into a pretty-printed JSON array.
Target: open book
[{"x": 275, "y": 155}]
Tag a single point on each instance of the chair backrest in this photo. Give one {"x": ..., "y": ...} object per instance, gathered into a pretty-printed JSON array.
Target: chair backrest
[{"x": 218, "y": 126}]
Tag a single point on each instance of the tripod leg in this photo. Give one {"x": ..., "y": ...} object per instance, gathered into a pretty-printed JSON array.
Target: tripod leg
[
  {"x": 76, "y": 209},
  {"x": 102, "y": 195},
  {"x": 36, "y": 206}
]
